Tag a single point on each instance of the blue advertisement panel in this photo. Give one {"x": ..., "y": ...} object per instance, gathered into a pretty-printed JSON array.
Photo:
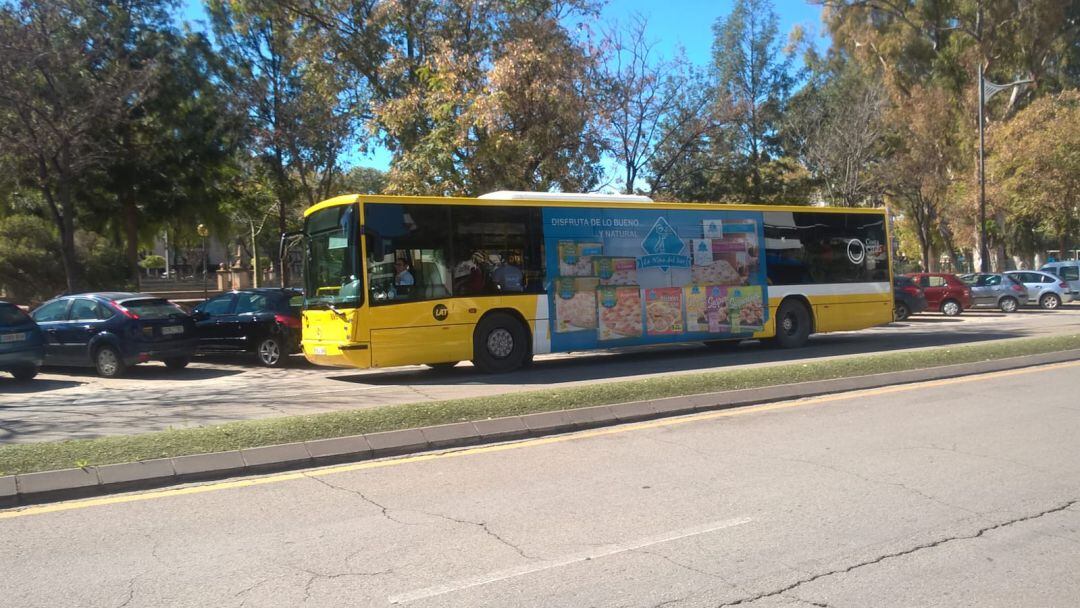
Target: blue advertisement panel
[{"x": 621, "y": 277}]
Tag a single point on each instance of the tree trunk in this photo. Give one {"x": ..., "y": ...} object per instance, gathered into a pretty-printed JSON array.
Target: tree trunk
[
  {"x": 131, "y": 235},
  {"x": 67, "y": 237}
]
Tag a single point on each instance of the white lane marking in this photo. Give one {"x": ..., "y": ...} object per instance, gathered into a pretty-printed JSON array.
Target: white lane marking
[{"x": 534, "y": 567}]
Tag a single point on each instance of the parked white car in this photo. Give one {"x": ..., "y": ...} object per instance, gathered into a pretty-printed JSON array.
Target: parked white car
[
  {"x": 1068, "y": 271},
  {"x": 1044, "y": 289}
]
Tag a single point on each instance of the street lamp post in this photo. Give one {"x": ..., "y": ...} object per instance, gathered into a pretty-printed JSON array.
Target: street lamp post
[
  {"x": 987, "y": 90},
  {"x": 204, "y": 232}
]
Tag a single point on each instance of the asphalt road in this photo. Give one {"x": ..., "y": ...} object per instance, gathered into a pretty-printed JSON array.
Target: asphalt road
[
  {"x": 960, "y": 492},
  {"x": 74, "y": 404}
]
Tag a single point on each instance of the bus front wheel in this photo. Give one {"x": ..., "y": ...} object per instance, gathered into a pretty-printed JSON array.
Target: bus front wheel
[
  {"x": 500, "y": 344},
  {"x": 792, "y": 324}
]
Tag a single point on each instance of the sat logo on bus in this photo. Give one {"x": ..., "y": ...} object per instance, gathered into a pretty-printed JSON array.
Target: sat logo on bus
[{"x": 440, "y": 312}]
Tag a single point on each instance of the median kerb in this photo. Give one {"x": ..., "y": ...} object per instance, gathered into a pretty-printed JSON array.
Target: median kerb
[
  {"x": 208, "y": 464},
  {"x": 393, "y": 443},
  {"x": 498, "y": 429},
  {"x": 588, "y": 417},
  {"x": 637, "y": 410},
  {"x": 143, "y": 471},
  {"x": 284, "y": 454},
  {"x": 8, "y": 490},
  {"x": 338, "y": 449},
  {"x": 446, "y": 435},
  {"x": 52, "y": 481},
  {"x": 548, "y": 422}
]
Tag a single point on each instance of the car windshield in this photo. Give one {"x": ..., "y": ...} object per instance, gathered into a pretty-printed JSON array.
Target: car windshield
[
  {"x": 332, "y": 264},
  {"x": 12, "y": 315},
  {"x": 154, "y": 309}
]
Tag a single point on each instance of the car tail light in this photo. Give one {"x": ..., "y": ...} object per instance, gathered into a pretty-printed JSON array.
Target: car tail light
[
  {"x": 1017, "y": 288},
  {"x": 1063, "y": 285},
  {"x": 127, "y": 313},
  {"x": 287, "y": 321}
]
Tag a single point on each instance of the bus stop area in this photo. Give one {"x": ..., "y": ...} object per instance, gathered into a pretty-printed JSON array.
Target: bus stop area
[{"x": 76, "y": 404}]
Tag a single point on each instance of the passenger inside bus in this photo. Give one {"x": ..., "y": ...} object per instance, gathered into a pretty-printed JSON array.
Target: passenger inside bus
[{"x": 507, "y": 276}]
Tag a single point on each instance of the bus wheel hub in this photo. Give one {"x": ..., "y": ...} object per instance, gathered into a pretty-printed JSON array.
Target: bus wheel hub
[{"x": 500, "y": 343}]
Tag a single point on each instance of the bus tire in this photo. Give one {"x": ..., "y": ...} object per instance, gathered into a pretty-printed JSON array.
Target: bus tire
[
  {"x": 500, "y": 344},
  {"x": 792, "y": 324}
]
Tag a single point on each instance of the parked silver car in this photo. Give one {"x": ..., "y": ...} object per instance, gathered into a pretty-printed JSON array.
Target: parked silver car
[
  {"x": 1069, "y": 272},
  {"x": 1044, "y": 289},
  {"x": 995, "y": 290}
]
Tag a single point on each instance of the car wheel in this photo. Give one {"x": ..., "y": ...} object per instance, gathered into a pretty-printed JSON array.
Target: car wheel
[
  {"x": 25, "y": 372},
  {"x": 901, "y": 311},
  {"x": 1050, "y": 301},
  {"x": 270, "y": 352},
  {"x": 951, "y": 308},
  {"x": 177, "y": 362},
  {"x": 1008, "y": 305},
  {"x": 792, "y": 324},
  {"x": 108, "y": 362},
  {"x": 500, "y": 344}
]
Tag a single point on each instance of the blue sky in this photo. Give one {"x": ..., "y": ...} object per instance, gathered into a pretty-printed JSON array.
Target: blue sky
[{"x": 673, "y": 24}]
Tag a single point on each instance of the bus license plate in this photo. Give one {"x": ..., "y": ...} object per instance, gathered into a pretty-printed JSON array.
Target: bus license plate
[
  {"x": 319, "y": 350},
  {"x": 170, "y": 330},
  {"x": 19, "y": 337}
]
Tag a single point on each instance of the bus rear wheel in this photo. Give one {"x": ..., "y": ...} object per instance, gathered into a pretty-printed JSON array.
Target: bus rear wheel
[
  {"x": 792, "y": 324},
  {"x": 500, "y": 344}
]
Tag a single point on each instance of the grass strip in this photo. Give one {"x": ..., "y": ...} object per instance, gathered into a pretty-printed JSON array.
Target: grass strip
[{"x": 30, "y": 457}]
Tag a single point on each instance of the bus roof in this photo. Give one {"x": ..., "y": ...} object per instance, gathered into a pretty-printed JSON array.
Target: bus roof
[{"x": 569, "y": 200}]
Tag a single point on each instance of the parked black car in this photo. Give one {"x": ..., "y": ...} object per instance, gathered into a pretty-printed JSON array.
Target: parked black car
[
  {"x": 263, "y": 321},
  {"x": 22, "y": 345},
  {"x": 908, "y": 298},
  {"x": 112, "y": 330}
]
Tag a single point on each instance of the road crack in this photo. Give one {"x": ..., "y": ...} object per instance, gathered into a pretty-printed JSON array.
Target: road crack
[
  {"x": 877, "y": 560},
  {"x": 383, "y": 508},
  {"x": 320, "y": 576},
  {"x": 484, "y": 526}
]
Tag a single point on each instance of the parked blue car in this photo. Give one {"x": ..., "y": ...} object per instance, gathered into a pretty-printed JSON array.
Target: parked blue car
[
  {"x": 22, "y": 345},
  {"x": 112, "y": 331}
]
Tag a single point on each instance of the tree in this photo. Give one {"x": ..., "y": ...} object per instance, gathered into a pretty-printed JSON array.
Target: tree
[
  {"x": 1035, "y": 166},
  {"x": 62, "y": 83},
  {"x": 300, "y": 115},
  {"x": 639, "y": 96},
  {"x": 837, "y": 126},
  {"x": 755, "y": 75}
]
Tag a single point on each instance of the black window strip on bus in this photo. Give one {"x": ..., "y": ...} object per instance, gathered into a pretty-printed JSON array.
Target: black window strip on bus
[{"x": 806, "y": 247}]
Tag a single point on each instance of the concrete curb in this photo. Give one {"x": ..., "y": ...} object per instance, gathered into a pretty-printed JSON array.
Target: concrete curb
[{"x": 66, "y": 484}]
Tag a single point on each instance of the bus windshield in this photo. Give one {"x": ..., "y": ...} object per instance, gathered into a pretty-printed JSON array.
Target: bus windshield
[{"x": 332, "y": 265}]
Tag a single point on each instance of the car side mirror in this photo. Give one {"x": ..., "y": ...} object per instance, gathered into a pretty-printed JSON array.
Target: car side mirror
[{"x": 199, "y": 315}]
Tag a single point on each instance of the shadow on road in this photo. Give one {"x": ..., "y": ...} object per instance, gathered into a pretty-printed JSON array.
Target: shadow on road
[
  {"x": 148, "y": 372},
  {"x": 689, "y": 357},
  {"x": 11, "y": 387}
]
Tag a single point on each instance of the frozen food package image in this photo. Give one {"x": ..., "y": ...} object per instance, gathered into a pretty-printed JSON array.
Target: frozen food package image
[
  {"x": 746, "y": 309},
  {"x": 663, "y": 311},
  {"x": 707, "y": 309},
  {"x": 719, "y": 272},
  {"x": 620, "y": 312},
  {"x": 576, "y": 259},
  {"x": 575, "y": 304},
  {"x": 616, "y": 271}
]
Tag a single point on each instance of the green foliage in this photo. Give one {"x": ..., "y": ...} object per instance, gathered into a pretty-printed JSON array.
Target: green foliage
[
  {"x": 29, "y": 269},
  {"x": 152, "y": 262}
]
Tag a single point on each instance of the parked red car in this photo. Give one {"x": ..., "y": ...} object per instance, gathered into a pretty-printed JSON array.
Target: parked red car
[{"x": 944, "y": 292}]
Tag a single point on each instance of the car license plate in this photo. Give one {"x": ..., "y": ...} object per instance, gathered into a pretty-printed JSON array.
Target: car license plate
[
  {"x": 170, "y": 330},
  {"x": 19, "y": 337},
  {"x": 319, "y": 350}
]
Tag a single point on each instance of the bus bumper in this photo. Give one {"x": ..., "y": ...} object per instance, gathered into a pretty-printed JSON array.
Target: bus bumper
[{"x": 335, "y": 354}]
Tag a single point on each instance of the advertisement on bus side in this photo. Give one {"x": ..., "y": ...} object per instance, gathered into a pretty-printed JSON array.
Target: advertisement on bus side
[{"x": 620, "y": 277}]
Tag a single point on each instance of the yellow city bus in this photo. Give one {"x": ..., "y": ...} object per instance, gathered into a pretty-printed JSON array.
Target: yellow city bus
[{"x": 498, "y": 279}]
